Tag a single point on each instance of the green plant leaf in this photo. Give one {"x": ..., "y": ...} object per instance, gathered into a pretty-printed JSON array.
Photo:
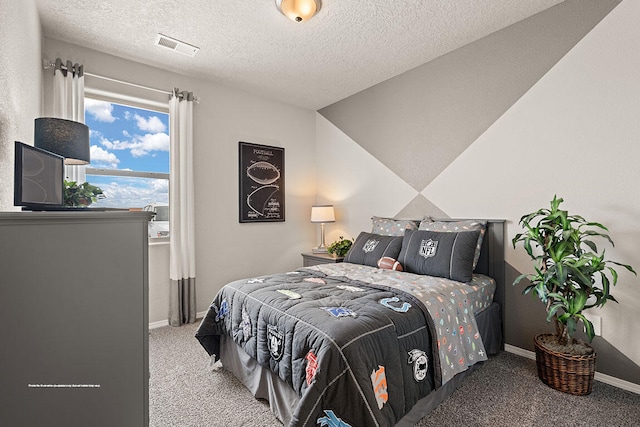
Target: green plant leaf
[
  {"x": 571, "y": 325},
  {"x": 628, "y": 267},
  {"x": 570, "y": 273},
  {"x": 519, "y": 278},
  {"x": 588, "y": 327},
  {"x": 553, "y": 309}
]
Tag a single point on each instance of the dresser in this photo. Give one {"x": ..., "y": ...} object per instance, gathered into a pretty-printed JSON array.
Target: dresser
[{"x": 74, "y": 318}]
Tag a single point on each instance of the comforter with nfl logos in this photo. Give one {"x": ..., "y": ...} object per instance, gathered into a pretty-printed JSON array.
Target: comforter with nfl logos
[{"x": 356, "y": 348}]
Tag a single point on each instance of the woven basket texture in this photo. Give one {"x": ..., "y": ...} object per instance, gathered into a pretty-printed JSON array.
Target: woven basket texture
[{"x": 564, "y": 372}]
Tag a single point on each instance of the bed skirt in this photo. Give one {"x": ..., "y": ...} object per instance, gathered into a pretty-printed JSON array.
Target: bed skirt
[{"x": 263, "y": 384}]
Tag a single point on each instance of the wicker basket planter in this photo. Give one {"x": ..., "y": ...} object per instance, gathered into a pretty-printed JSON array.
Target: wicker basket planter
[{"x": 565, "y": 372}]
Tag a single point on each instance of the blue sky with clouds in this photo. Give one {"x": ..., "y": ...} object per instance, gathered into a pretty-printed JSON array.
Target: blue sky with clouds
[{"x": 128, "y": 138}]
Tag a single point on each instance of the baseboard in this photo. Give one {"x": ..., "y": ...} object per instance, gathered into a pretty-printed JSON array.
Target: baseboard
[
  {"x": 607, "y": 379},
  {"x": 158, "y": 324},
  {"x": 520, "y": 351},
  {"x": 162, "y": 323}
]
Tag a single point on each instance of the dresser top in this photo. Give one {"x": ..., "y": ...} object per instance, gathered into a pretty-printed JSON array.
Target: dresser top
[{"x": 71, "y": 215}]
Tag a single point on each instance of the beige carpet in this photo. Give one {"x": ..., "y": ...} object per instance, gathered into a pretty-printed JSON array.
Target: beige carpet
[{"x": 186, "y": 391}]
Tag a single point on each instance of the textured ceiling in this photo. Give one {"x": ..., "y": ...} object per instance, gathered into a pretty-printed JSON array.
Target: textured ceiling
[{"x": 348, "y": 46}]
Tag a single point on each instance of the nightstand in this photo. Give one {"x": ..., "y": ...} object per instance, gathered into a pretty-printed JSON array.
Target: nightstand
[{"x": 309, "y": 259}]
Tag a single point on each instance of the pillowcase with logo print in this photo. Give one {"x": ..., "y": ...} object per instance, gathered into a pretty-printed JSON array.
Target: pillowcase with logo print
[
  {"x": 442, "y": 254},
  {"x": 458, "y": 226},
  {"x": 368, "y": 248}
]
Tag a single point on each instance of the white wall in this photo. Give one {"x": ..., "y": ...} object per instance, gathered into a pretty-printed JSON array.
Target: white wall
[
  {"x": 575, "y": 133},
  {"x": 226, "y": 250},
  {"x": 158, "y": 284},
  {"x": 20, "y": 80}
]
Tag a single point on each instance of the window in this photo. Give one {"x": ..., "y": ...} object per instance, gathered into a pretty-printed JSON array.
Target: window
[{"x": 130, "y": 159}]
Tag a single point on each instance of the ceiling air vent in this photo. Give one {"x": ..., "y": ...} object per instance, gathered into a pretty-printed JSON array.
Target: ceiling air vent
[{"x": 176, "y": 45}]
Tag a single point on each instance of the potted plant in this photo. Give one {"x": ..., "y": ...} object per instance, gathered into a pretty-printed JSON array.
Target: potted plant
[
  {"x": 570, "y": 276},
  {"x": 340, "y": 247},
  {"x": 81, "y": 195}
]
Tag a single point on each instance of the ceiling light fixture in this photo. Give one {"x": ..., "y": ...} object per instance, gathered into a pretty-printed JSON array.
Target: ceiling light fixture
[{"x": 298, "y": 10}]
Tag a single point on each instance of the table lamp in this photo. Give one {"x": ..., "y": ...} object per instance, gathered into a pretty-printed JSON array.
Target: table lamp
[
  {"x": 322, "y": 214},
  {"x": 65, "y": 138}
]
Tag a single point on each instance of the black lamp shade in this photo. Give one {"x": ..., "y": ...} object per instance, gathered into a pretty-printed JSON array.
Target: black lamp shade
[{"x": 66, "y": 138}]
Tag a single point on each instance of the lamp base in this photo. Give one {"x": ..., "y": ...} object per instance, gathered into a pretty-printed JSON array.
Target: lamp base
[{"x": 320, "y": 250}]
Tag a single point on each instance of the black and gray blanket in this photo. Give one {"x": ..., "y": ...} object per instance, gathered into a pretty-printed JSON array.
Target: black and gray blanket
[{"x": 356, "y": 348}]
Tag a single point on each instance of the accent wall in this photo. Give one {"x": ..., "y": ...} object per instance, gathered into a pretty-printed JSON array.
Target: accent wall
[{"x": 494, "y": 129}]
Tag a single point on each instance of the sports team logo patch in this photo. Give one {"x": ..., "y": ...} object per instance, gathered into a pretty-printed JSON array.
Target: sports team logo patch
[
  {"x": 312, "y": 366},
  {"x": 331, "y": 420},
  {"x": 255, "y": 281},
  {"x": 290, "y": 294},
  {"x": 245, "y": 324},
  {"x": 317, "y": 280},
  {"x": 420, "y": 362},
  {"x": 222, "y": 311},
  {"x": 379, "y": 382},
  {"x": 428, "y": 248},
  {"x": 400, "y": 309},
  {"x": 350, "y": 288},
  {"x": 340, "y": 311},
  {"x": 275, "y": 342},
  {"x": 370, "y": 245}
]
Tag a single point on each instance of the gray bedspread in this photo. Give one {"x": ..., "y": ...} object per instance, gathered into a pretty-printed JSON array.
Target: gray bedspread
[{"x": 358, "y": 345}]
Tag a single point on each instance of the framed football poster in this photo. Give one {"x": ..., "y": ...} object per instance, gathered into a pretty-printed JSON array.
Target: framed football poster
[{"x": 261, "y": 183}]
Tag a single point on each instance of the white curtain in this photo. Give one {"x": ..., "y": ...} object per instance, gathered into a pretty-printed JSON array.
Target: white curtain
[
  {"x": 68, "y": 103},
  {"x": 182, "y": 263}
]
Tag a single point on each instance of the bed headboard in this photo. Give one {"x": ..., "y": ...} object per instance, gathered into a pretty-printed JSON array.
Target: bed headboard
[{"x": 491, "y": 262}]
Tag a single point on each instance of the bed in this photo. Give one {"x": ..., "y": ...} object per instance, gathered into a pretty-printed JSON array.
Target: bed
[{"x": 351, "y": 344}]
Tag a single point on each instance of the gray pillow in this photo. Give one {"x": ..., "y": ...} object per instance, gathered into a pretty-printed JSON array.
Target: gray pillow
[
  {"x": 370, "y": 247},
  {"x": 443, "y": 254},
  {"x": 392, "y": 226},
  {"x": 456, "y": 226}
]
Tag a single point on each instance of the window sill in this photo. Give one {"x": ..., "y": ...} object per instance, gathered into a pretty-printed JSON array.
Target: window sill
[{"x": 158, "y": 241}]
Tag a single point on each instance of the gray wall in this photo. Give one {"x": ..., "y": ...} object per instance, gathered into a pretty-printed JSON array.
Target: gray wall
[
  {"x": 452, "y": 138},
  {"x": 20, "y": 80}
]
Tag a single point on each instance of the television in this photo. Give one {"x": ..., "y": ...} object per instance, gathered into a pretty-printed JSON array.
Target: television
[{"x": 38, "y": 179}]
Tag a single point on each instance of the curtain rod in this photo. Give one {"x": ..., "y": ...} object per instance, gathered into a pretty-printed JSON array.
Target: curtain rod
[{"x": 49, "y": 64}]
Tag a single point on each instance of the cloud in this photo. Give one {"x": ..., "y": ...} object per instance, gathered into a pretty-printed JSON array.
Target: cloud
[
  {"x": 134, "y": 192},
  {"x": 150, "y": 142},
  {"x": 139, "y": 145},
  {"x": 103, "y": 159},
  {"x": 153, "y": 124},
  {"x": 159, "y": 186},
  {"x": 100, "y": 110}
]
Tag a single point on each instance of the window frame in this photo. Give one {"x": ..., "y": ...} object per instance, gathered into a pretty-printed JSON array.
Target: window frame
[{"x": 134, "y": 102}]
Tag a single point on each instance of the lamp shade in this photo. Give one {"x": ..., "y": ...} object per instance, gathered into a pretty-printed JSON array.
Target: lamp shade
[
  {"x": 66, "y": 138},
  {"x": 298, "y": 10},
  {"x": 323, "y": 213}
]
